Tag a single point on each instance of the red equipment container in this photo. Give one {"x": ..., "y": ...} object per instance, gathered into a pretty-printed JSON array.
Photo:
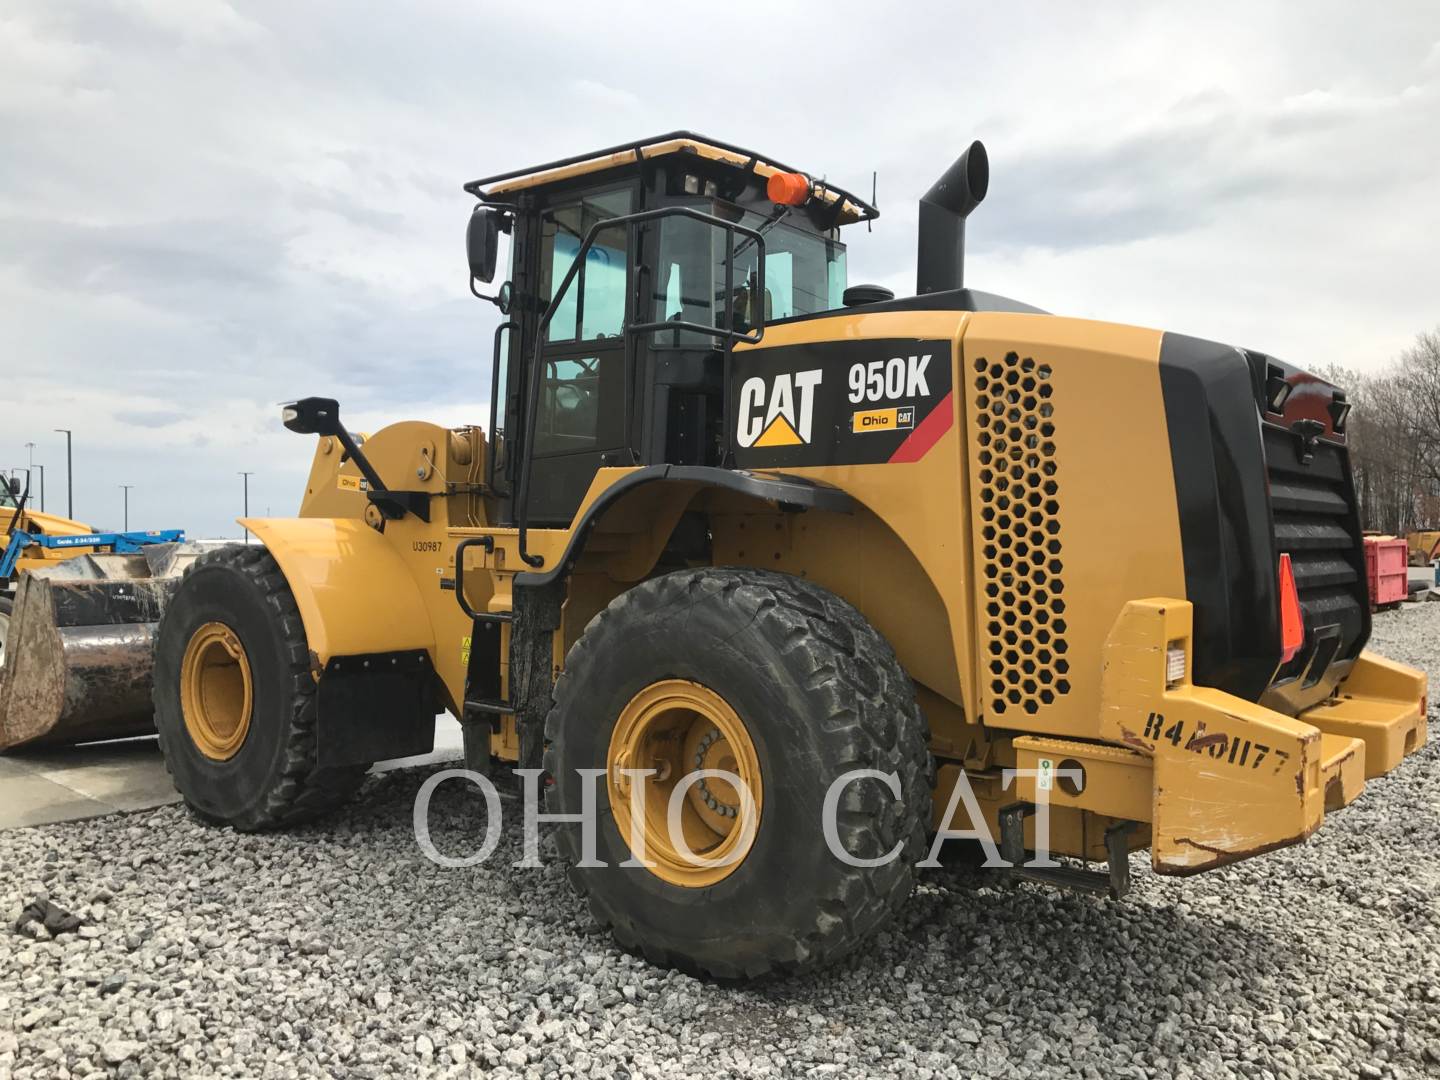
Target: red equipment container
[{"x": 1387, "y": 570}]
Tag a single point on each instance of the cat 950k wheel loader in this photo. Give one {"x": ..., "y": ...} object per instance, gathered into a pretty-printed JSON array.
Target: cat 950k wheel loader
[{"x": 780, "y": 555}]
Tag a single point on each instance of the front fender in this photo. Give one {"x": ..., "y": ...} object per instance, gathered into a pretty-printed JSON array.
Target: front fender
[{"x": 355, "y": 594}]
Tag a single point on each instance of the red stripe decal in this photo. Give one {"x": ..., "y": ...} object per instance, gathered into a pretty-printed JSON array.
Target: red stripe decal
[{"x": 939, "y": 420}]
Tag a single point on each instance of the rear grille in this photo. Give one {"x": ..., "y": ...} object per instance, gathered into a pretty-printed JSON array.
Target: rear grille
[
  {"x": 1316, "y": 523},
  {"x": 1017, "y": 478}
]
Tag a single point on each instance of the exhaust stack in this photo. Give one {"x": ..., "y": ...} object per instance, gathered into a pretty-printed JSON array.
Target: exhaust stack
[{"x": 943, "y": 209}]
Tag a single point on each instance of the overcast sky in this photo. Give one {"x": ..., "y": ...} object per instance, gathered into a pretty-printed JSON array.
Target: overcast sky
[{"x": 207, "y": 208}]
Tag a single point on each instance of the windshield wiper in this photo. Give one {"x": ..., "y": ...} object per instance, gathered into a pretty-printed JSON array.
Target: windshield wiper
[{"x": 765, "y": 227}]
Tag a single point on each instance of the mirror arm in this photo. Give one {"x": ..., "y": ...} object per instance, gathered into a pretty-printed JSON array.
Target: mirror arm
[
  {"x": 504, "y": 297},
  {"x": 496, "y": 299},
  {"x": 355, "y": 454}
]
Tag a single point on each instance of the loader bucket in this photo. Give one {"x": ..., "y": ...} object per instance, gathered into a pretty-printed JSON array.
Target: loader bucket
[{"x": 80, "y": 651}]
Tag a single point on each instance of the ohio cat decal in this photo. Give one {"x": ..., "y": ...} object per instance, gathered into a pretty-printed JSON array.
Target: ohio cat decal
[{"x": 840, "y": 403}]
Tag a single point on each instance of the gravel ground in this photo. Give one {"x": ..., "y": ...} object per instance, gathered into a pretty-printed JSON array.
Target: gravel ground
[{"x": 340, "y": 950}]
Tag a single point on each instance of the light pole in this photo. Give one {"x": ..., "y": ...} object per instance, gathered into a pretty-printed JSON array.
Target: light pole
[
  {"x": 126, "y": 488},
  {"x": 245, "y": 479},
  {"x": 30, "y": 465},
  {"x": 41, "y": 469},
  {"x": 69, "y": 475}
]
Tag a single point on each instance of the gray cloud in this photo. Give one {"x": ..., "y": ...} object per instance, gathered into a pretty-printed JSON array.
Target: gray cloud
[{"x": 150, "y": 418}]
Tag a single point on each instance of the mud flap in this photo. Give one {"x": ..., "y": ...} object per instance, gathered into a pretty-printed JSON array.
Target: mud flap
[{"x": 376, "y": 707}]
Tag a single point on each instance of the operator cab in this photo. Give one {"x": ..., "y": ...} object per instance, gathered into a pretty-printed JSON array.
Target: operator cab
[{"x": 627, "y": 348}]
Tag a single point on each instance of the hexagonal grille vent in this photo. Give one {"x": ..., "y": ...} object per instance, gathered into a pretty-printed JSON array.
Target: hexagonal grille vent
[{"x": 1020, "y": 535}]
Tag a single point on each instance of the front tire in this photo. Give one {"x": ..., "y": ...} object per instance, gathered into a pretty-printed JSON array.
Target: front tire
[
  {"x": 816, "y": 693},
  {"x": 235, "y": 701}
]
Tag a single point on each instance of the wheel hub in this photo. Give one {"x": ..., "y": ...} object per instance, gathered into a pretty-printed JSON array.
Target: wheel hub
[
  {"x": 680, "y": 728},
  {"x": 216, "y": 691}
]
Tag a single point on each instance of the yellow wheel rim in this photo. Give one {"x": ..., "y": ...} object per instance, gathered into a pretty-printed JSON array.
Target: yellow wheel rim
[
  {"x": 215, "y": 691},
  {"x": 679, "y": 728}
]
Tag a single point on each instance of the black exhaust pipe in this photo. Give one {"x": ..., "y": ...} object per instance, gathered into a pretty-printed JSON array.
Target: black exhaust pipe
[{"x": 943, "y": 209}]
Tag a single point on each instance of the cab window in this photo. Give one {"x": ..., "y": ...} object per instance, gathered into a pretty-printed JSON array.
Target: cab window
[
  {"x": 593, "y": 306},
  {"x": 804, "y": 274},
  {"x": 569, "y": 408}
]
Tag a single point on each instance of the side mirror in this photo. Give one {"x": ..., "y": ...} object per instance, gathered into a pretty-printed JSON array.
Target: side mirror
[
  {"x": 482, "y": 243},
  {"x": 14, "y": 485},
  {"x": 313, "y": 416}
]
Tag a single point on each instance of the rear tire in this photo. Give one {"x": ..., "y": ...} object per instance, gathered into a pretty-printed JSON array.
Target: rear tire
[
  {"x": 249, "y": 761},
  {"x": 818, "y": 693}
]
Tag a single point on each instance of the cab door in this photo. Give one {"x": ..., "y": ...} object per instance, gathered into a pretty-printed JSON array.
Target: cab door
[{"x": 581, "y": 414}]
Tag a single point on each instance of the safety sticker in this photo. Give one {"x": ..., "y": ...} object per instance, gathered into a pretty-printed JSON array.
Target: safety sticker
[{"x": 1045, "y": 774}]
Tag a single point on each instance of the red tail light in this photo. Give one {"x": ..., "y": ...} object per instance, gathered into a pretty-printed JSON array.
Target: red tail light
[{"x": 1292, "y": 623}]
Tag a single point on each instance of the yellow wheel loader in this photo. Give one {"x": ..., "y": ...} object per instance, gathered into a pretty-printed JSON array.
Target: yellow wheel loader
[
  {"x": 78, "y": 612},
  {"x": 747, "y": 556},
  {"x": 1423, "y": 547}
]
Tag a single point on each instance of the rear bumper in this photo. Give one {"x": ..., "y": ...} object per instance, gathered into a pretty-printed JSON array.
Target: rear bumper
[
  {"x": 1382, "y": 704},
  {"x": 1230, "y": 778}
]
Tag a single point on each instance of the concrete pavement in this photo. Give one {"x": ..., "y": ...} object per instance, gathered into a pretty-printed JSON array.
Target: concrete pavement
[{"x": 70, "y": 783}]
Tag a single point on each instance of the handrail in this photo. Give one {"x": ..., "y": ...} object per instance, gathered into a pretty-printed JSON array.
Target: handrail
[
  {"x": 868, "y": 212},
  {"x": 532, "y": 395},
  {"x": 488, "y": 543},
  {"x": 497, "y": 408}
]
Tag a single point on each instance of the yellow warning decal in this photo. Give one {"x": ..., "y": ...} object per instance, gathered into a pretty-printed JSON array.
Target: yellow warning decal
[
  {"x": 779, "y": 433},
  {"x": 465, "y": 652},
  {"x": 882, "y": 419},
  {"x": 351, "y": 483}
]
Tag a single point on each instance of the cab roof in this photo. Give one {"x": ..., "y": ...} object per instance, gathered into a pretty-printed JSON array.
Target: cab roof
[{"x": 848, "y": 207}]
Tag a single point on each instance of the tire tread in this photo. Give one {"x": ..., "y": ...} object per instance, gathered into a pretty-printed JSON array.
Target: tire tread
[
  {"x": 869, "y": 717},
  {"x": 302, "y": 790}
]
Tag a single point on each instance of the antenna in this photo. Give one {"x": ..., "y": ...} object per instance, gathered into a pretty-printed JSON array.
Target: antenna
[{"x": 874, "y": 198}]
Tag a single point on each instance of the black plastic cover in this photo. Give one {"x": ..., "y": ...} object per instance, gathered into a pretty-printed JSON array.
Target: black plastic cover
[{"x": 1253, "y": 482}]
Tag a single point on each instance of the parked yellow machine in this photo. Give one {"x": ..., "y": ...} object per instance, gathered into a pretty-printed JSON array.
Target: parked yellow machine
[
  {"x": 14, "y": 516},
  {"x": 735, "y": 520},
  {"x": 1424, "y": 547}
]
